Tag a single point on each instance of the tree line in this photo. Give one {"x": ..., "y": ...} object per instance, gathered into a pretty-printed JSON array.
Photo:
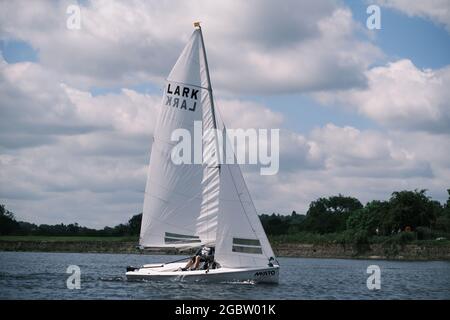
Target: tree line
[
  {"x": 10, "y": 226},
  {"x": 410, "y": 214}
]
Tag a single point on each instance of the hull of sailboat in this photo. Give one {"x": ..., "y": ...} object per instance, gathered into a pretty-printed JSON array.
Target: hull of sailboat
[{"x": 170, "y": 271}]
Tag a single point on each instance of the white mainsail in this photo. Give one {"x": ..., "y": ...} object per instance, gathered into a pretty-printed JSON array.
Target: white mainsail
[
  {"x": 187, "y": 205},
  {"x": 181, "y": 201}
]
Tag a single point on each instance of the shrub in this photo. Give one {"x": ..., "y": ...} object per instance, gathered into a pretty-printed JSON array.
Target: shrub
[{"x": 424, "y": 233}]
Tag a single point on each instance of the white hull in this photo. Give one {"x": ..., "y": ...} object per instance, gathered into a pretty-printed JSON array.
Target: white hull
[{"x": 170, "y": 271}]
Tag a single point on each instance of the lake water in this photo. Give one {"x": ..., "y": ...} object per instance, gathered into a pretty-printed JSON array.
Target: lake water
[{"x": 27, "y": 275}]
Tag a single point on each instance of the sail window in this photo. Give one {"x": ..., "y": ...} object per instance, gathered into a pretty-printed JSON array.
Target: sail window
[
  {"x": 246, "y": 245},
  {"x": 180, "y": 238},
  {"x": 246, "y": 242}
]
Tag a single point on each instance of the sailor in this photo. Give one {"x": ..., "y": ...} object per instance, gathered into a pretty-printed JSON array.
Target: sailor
[{"x": 204, "y": 254}]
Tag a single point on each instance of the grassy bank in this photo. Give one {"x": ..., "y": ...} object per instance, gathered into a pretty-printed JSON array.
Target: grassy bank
[
  {"x": 82, "y": 244},
  {"x": 308, "y": 247},
  {"x": 68, "y": 238},
  {"x": 350, "y": 239}
]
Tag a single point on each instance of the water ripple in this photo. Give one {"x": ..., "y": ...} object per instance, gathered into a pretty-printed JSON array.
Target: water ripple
[{"x": 26, "y": 275}]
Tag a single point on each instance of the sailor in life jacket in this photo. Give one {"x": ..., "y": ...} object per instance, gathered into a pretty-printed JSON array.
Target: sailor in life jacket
[{"x": 204, "y": 254}]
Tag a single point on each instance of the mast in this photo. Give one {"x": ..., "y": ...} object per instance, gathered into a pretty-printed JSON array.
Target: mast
[{"x": 211, "y": 99}]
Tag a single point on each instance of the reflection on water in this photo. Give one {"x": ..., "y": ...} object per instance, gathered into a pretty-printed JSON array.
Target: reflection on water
[{"x": 26, "y": 275}]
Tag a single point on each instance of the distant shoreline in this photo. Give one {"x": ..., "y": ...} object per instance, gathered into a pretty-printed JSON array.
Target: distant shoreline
[{"x": 426, "y": 252}]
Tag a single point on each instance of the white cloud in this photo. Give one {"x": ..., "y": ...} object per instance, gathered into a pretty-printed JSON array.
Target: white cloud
[
  {"x": 97, "y": 178},
  {"x": 331, "y": 58},
  {"x": 366, "y": 164},
  {"x": 352, "y": 152},
  {"x": 435, "y": 10},
  {"x": 33, "y": 108},
  {"x": 399, "y": 95},
  {"x": 254, "y": 46},
  {"x": 246, "y": 114},
  {"x": 36, "y": 108},
  {"x": 129, "y": 112},
  {"x": 68, "y": 155}
]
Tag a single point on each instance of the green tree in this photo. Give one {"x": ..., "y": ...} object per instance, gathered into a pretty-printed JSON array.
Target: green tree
[
  {"x": 370, "y": 218},
  {"x": 447, "y": 205},
  {"x": 8, "y": 223},
  {"x": 443, "y": 219},
  {"x": 274, "y": 224},
  {"x": 134, "y": 224},
  {"x": 296, "y": 222},
  {"x": 326, "y": 215},
  {"x": 410, "y": 208}
]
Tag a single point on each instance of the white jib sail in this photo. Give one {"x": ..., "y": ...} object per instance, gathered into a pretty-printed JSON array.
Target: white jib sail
[
  {"x": 181, "y": 200},
  {"x": 241, "y": 239}
]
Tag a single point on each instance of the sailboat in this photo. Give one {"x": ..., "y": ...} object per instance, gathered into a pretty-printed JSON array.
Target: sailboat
[{"x": 187, "y": 206}]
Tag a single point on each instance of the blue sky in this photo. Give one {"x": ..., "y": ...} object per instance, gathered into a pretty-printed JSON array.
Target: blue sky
[
  {"x": 426, "y": 43},
  {"x": 18, "y": 51}
]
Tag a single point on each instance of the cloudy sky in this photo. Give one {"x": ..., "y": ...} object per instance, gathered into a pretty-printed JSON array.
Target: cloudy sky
[{"x": 361, "y": 112}]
